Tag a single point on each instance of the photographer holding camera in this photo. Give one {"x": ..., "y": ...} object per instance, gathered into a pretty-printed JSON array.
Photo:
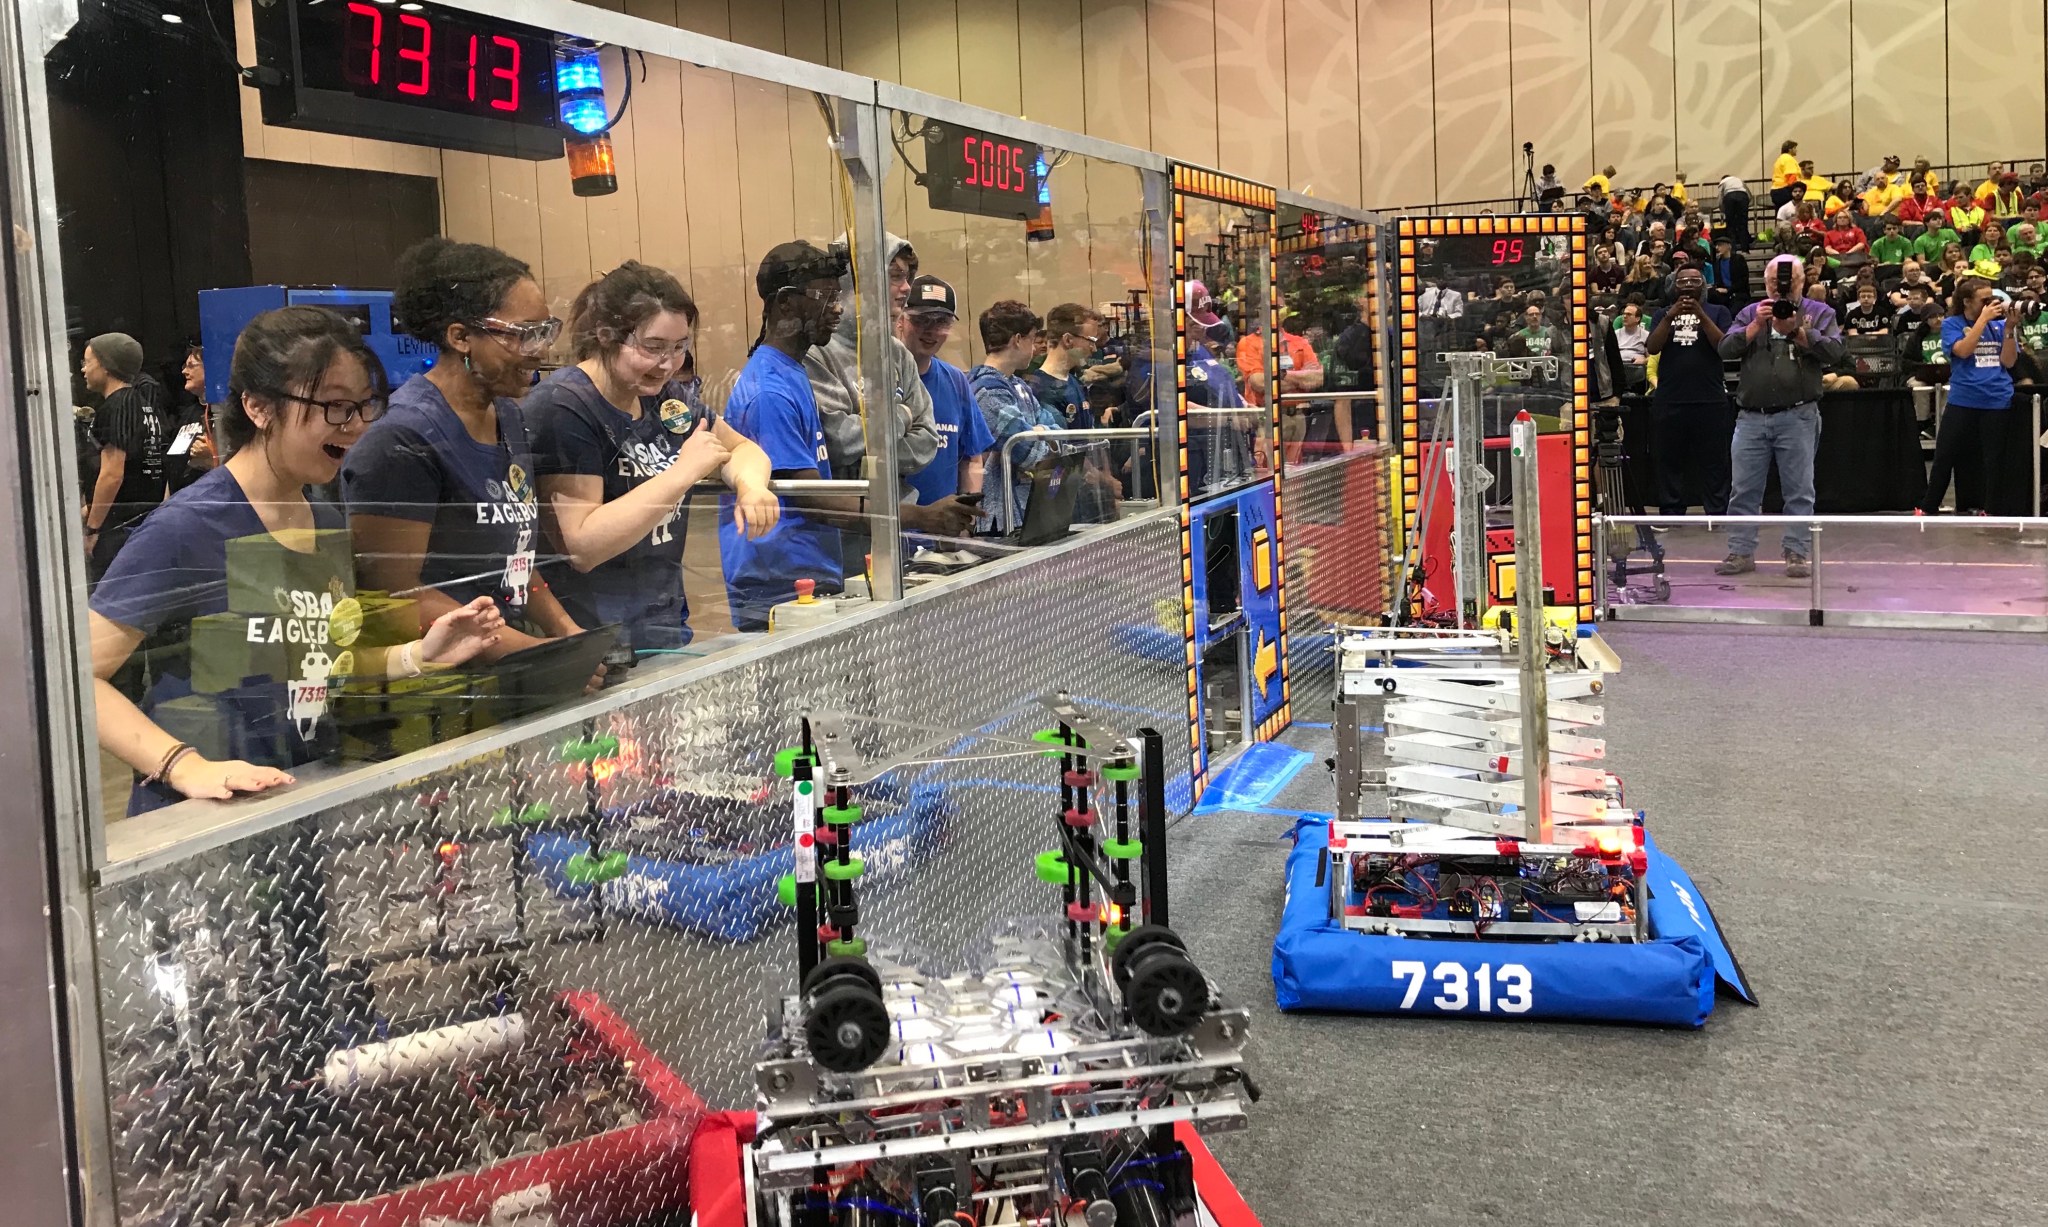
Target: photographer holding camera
[
  {"x": 1982, "y": 341},
  {"x": 1785, "y": 343}
]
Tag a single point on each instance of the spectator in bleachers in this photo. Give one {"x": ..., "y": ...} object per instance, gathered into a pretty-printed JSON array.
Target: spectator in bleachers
[
  {"x": 1911, "y": 303},
  {"x": 1735, "y": 210},
  {"x": 1866, "y": 316},
  {"x": 1994, "y": 238},
  {"x": 1934, "y": 235},
  {"x": 1952, "y": 264},
  {"x": 1818, "y": 186},
  {"x": 1601, "y": 182},
  {"x": 1730, "y": 279},
  {"x": 1643, "y": 279},
  {"x": 1633, "y": 337},
  {"x": 1656, "y": 233},
  {"x": 2026, "y": 238},
  {"x": 2008, "y": 200},
  {"x": 1784, "y": 173},
  {"x": 1812, "y": 224},
  {"x": 1880, "y": 175},
  {"x": 1987, "y": 189},
  {"x": 1915, "y": 208},
  {"x": 1819, "y": 273},
  {"x": 1891, "y": 247},
  {"x": 1605, "y": 277},
  {"x": 1536, "y": 338},
  {"x": 2036, "y": 181},
  {"x": 1789, "y": 208},
  {"x": 1845, "y": 238},
  {"x": 1882, "y": 198},
  {"x": 1923, "y": 175},
  {"x": 1966, "y": 217},
  {"x": 1911, "y": 273}
]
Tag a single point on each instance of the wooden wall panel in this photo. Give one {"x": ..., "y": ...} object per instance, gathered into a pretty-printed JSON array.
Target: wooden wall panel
[
  {"x": 466, "y": 197},
  {"x": 515, "y": 211},
  {"x": 1635, "y": 103},
  {"x": 1251, "y": 84},
  {"x": 1551, "y": 86},
  {"x": 1182, "y": 74},
  {"x": 1994, "y": 62},
  {"x": 1806, "y": 82},
  {"x": 1116, "y": 71},
  {"x": 1397, "y": 103},
  {"x": 1053, "y": 82},
  {"x": 1474, "y": 139},
  {"x": 1717, "y": 58},
  {"x": 1323, "y": 116},
  {"x": 991, "y": 75},
  {"x": 1899, "y": 80},
  {"x": 930, "y": 49}
]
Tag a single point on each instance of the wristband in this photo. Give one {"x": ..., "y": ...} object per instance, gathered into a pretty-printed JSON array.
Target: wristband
[
  {"x": 408, "y": 658},
  {"x": 169, "y": 760}
]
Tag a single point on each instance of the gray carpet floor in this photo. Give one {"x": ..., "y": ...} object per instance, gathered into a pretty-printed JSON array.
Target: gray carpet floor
[{"x": 1865, "y": 812}]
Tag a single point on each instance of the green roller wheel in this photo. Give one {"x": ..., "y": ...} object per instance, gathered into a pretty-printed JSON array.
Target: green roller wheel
[
  {"x": 1052, "y": 867},
  {"x": 785, "y": 889},
  {"x": 786, "y": 760},
  {"x": 853, "y": 868},
  {"x": 1125, "y": 773},
  {"x": 1114, "y": 936},
  {"x": 533, "y": 815},
  {"x": 1123, "y": 849},
  {"x": 586, "y": 870},
  {"x": 1053, "y": 738},
  {"x": 847, "y": 945},
  {"x": 841, "y": 815},
  {"x": 591, "y": 750}
]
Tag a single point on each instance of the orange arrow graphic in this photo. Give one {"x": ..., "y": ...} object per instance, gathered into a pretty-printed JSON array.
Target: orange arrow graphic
[
  {"x": 1266, "y": 662},
  {"x": 1262, "y": 559}
]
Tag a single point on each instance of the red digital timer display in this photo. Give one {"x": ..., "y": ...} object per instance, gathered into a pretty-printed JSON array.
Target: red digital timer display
[
  {"x": 1466, "y": 250},
  {"x": 977, "y": 172},
  {"x": 424, "y": 56}
]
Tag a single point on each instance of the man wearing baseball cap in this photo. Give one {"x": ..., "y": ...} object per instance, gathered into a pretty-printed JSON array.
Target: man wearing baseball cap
[
  {"x": 930, "y": 313},
  {"x": 132, "y": 438},
  {"x": 772, "y": 404}
]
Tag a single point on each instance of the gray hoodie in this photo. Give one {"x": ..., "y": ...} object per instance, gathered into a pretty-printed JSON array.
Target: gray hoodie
[{"x": 834, "y": 369}]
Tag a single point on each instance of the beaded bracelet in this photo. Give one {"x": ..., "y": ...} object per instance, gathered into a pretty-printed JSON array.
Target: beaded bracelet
[{"x": 170, "y": 759}]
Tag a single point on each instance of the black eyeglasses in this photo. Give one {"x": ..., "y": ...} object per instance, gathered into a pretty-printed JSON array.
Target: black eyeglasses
[{"x": 338, "y": 412}]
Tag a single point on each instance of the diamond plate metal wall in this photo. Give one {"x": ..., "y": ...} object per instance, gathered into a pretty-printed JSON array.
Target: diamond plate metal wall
[
  {"x": 1339, "y": 565},
  {"x": 413, "y": 987}
]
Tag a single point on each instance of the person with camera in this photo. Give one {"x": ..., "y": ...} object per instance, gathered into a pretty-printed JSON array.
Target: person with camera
[
  {"x": 1690, "y": 409},
  {"x": 1785, "y": 343},
  {"x": 1982, "y": 344}
]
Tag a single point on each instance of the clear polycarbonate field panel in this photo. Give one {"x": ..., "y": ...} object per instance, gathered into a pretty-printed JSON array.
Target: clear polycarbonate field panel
[
  {"x": 1934, "y": 566},
  {"x": 1339, "y": 565},
  {"x": 404, "y": 989}
]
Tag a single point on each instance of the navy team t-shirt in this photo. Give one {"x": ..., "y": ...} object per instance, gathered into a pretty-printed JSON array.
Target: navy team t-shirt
[
  {"x": 174, "y": 569},
  {"x": 772, "y": 404},
  {"x": 576, "y": 432},
  {"x": 418, "y": 462},
  {"x": 963, "y": 432}
]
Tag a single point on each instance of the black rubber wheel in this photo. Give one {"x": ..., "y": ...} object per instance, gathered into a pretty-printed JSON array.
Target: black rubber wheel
[
  {"x": 1136, "y": 941},
  {"x": 847, "y": 1028},
  {"x": 839, "y": 965},
  {"x": 1167, "y": 994},
  {"x": 1139, "y": 1203}
]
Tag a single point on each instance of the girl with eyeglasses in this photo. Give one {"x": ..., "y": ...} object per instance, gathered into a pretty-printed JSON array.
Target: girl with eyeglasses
[
  {"x": 440, "y": 494},
  {"x": 619, "y": 442},
  {"x": 235, "y": 570}
]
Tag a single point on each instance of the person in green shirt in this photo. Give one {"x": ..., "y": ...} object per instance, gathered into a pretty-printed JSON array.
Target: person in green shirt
[
  {"x": 1892, "y": 247},
  {"x": 1994, "y": 238},
  {"x": 1927, "y": 248},
  {"x": 2026, "y": 237}
]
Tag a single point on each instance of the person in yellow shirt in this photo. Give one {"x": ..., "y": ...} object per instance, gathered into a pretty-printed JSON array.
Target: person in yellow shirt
[
  {"x": 1989, "y": 188},
  {"x": 1600, "y": 184},
  {"x": 1678, "y": 192},
  {"x": 1923, "y": 170},
  {"x": 1818, "y": 186},
  {"x": 1883, "y": 197},
  {"x": 1784, "y": 172}
]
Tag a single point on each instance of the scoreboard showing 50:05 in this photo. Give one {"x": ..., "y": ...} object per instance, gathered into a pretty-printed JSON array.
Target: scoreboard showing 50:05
[{"x": 967, "y": 171}]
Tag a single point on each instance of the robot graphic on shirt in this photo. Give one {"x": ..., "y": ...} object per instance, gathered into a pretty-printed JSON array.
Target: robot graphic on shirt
[{"x": 518, "y": 493}]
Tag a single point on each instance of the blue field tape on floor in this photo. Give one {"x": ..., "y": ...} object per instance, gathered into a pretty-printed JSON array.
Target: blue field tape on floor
[{"x": 1254, "y": 777}]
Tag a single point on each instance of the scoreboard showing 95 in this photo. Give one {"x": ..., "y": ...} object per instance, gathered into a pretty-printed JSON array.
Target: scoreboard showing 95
[{"x": 967, "y": 171}]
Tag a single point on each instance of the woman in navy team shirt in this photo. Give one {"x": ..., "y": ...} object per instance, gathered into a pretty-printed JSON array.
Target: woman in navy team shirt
[
  {"x": 440, "y": 493},
  {"x": 301, "y": 388},
  {"x": 619, "y": 443},
  {"x": 1982, "y": 343}
]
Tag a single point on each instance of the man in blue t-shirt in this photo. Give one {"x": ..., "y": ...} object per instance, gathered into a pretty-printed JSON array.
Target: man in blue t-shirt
[
  {"x": 964, "y": 436},
  {"x": 772, "y": 404}
]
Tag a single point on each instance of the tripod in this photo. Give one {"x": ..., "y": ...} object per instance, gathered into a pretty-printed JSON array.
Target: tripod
[
  {"x": 1527, "y": 200},
  {"x": 1614, "y": 500}
]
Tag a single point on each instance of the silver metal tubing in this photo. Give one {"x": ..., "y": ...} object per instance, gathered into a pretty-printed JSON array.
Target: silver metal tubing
[
  {"x": 1923, "y": 523},
  {"x": 817, "y": 485},
  {"x": 1297, "y": 397},
  {"x": 1531, "y": 628},
  {"x": 1813, "y": 579},
  {"x": 1008, "y": 518},
  {"x": 2034, "y": 445}
]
